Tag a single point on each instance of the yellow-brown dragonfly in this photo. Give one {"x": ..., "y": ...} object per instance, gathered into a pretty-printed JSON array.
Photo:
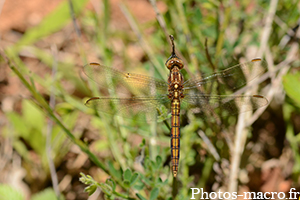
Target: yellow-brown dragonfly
[{"x": 146, "y": 95}]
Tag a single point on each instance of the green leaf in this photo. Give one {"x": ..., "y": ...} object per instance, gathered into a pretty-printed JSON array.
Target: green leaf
[
  {"x": 152, "y": 165},
  {"x": 8, "y": 192},
  {"x": 106, "y": 189},
  {"x": 154, "y": 194},
  {"x": 90, "y": 189},
  {"x": 143, "y": 143},
  {"x": 111, "y": 183},
  {"x": 159, "y": 180},
  {"x": 18, "y": 123},
  {"x": 113, "y": 171},
  {"x": 291, "y": 84},
  {"x": 139, "y": 185},
  {"x": 29, "y": 126},
  {"x": 127, "y": 175},
  {"x": 158, "y": 161},
  {"x": 134, "y": 178},
  {"x": 33, "y": 115},
  {"x": 140, "y": 196},
  {"x": 126, "y": 183}
]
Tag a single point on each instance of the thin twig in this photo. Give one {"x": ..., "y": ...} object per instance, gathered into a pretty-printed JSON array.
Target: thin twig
[
  {"x": 160, "y": 19},
  {"x": 77, "y": 31},
  {"x": 283, "y": 68},
  {"x": 267, "y": 29},
  {"x": 76, "y": 27},
  {"x": 241, "y": 133},
  {"x": 210, "y": 147},
  {"x": 141, "y": 39}
]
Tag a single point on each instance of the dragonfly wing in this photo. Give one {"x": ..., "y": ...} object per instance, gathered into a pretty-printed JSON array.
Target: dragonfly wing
[
  {"x": 136, "y": 108},
  {"x": 137, "y": 84},
  {"x": 231, "y": 79},
  {"x": 224, "y": 105}
]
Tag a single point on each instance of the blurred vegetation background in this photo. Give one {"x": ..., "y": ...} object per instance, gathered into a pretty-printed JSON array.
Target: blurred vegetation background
[{"x": 48, "y": 136}]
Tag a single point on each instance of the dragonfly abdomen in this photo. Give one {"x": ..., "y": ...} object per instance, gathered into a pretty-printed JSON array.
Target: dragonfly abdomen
[{"x": 175, "y": 135}]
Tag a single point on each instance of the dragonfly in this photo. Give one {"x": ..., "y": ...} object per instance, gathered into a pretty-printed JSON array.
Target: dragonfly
[{"x": 135, "y": 95}]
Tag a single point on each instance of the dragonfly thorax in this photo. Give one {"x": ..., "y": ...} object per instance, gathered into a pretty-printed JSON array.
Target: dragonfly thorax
[{"x": 175, "y": 81}]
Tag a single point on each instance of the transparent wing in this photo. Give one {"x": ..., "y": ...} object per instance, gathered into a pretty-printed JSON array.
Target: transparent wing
[
  {"x": 135, "y": 107},
  {"x": 224, "y": 105},
  {"x": 229, "y": 79},
  {"x": 201, "y": 94},
  {"x": 137, "y": 84}
]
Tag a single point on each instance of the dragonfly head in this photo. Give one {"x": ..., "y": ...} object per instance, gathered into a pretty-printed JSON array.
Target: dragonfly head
[{"x": 173, "y": 60}]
